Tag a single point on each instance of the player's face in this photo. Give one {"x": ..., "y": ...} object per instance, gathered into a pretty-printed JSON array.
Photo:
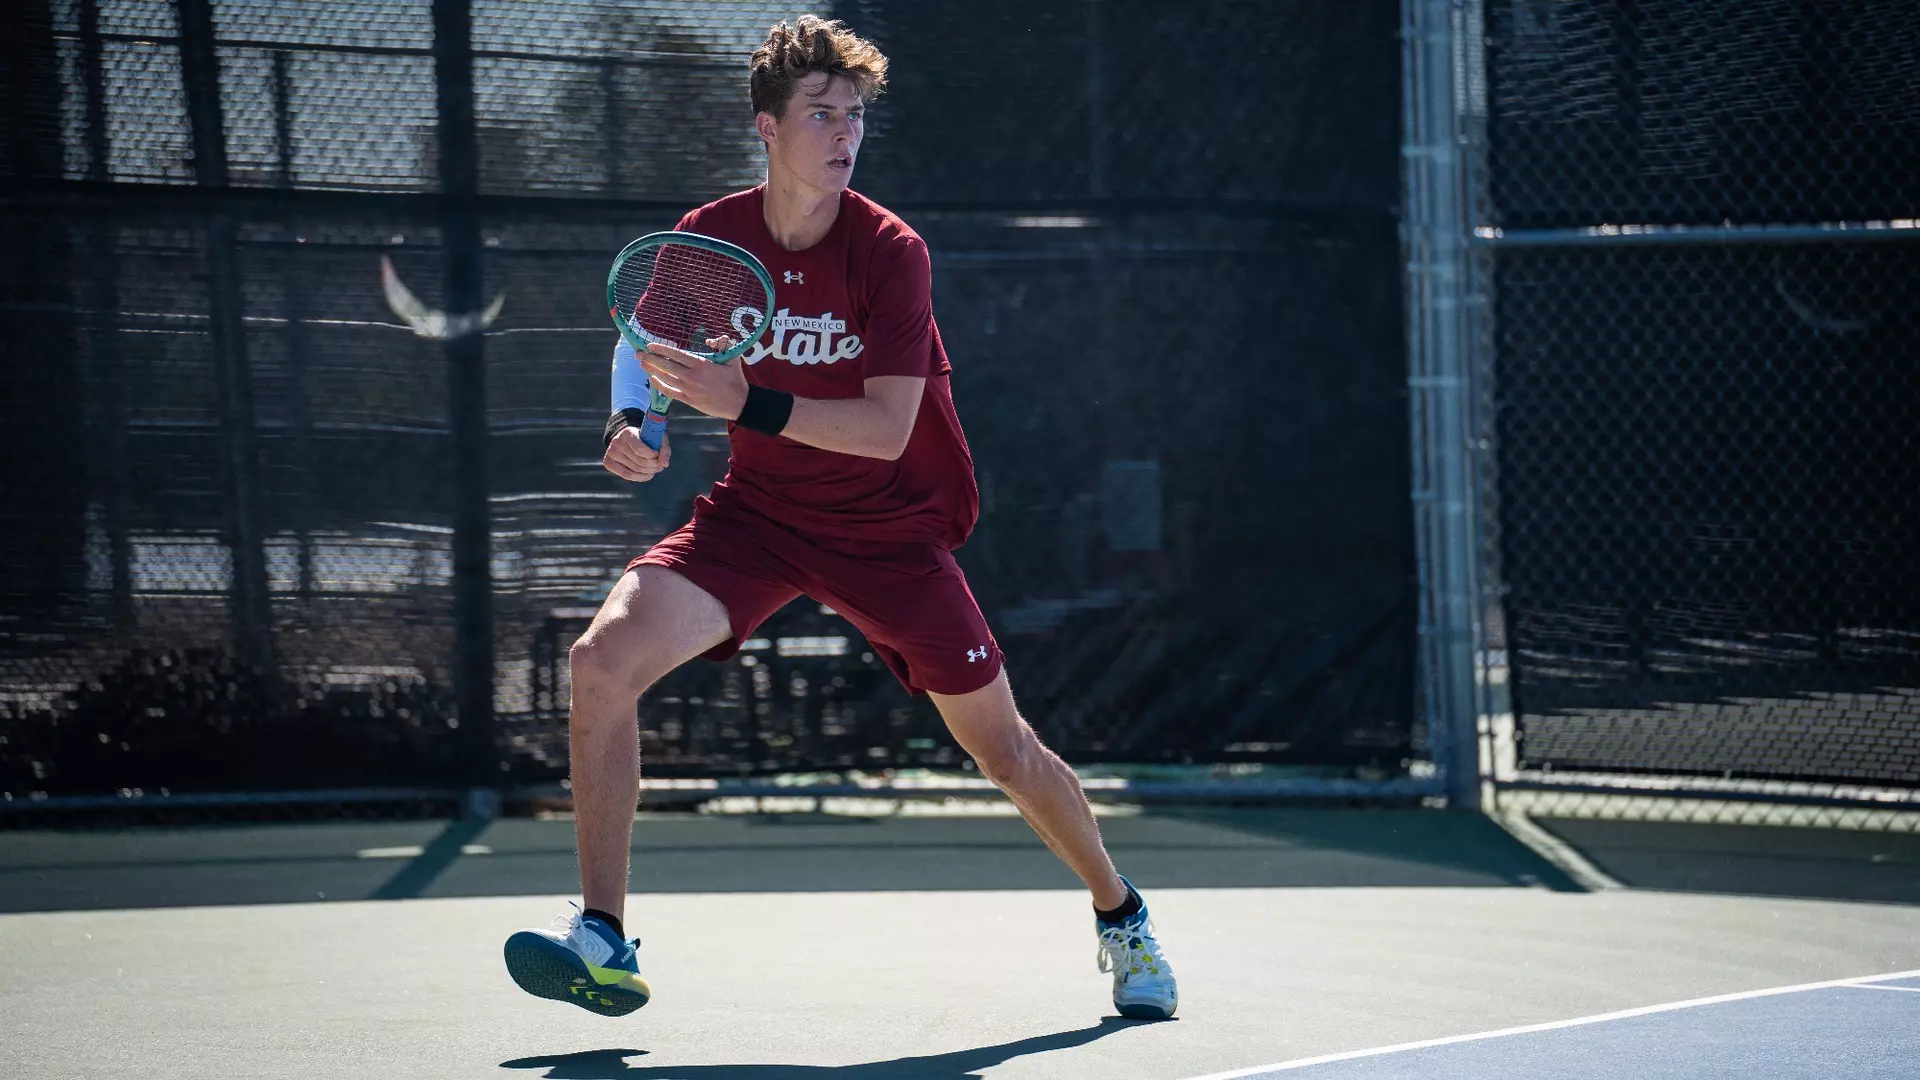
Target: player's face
[{"x": 819, "y": 137}]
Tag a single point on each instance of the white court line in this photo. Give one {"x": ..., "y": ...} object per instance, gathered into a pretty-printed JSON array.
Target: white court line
[
  {"x": 1871, "y": 986},
  {"x": 414, "y": 851},
  {"x": 1857, "y": 982}
]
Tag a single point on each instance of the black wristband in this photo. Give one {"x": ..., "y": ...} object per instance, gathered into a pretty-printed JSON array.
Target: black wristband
[
  {"x": 766, "y": 410},
  {"x": 619, "y": 422}
]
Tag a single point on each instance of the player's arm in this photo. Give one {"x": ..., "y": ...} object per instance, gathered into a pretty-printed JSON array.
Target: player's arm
[
  {"x": 625, "y": 455},
  {"x": 877, "y": 424}
]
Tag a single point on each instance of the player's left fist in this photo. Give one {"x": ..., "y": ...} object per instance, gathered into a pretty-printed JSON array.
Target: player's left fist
[{"x": 715, "y": 389}]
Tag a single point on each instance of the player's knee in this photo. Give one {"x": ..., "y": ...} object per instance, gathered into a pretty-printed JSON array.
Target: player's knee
[
  {"x": 601, "y": 667},
  {"x": 1006, "y": 760}
]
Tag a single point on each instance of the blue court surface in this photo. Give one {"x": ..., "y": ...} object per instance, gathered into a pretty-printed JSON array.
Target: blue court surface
[{"x": 1858, "y": 1028}]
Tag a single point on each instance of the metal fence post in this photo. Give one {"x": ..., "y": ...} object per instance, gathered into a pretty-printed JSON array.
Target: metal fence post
[
  {"x": 99, "y": 243},
  {"x": 1439, "y": 341},
  {"x": 252, "y": 611},
  {"x": 466, "y": 390}
]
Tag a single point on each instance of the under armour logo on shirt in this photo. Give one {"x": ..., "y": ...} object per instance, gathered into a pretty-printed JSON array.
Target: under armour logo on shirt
[
  {"x": 976, "y": 655},
  {"x": 795, "y": 277}
]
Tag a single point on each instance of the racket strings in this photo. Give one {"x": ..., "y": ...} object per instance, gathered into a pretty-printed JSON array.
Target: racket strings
[{"x": 684, "y": 295}]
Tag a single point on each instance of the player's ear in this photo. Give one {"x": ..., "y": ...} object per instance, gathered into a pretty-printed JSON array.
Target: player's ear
[{"x": 765, "y": 124}]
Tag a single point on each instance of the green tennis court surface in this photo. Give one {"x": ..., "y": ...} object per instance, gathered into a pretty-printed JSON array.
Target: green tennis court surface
[{"x": 815, "y": 947}]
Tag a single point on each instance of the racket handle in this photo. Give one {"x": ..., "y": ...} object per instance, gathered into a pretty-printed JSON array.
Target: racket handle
[{"x": 653, "y": 430}]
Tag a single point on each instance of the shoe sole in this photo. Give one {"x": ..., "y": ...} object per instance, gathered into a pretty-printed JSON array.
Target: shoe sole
[
  {"x": 550, "y": 971},
  {"x": 1144, "y": 1012}
]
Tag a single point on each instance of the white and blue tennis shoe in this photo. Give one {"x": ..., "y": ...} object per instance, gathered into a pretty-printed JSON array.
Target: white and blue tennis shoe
[
  {"x": 1143, "y": 984},
  {"x": 580, "y": 960}
]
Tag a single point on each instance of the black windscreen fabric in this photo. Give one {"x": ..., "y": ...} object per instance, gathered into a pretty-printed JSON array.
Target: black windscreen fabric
[
  {"x": 231, "y": 566},
  {"x": 1703, "y": 449}
]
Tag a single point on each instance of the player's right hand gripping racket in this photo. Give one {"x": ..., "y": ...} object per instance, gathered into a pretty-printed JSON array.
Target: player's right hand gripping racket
[{"x": 684, "y": 290}]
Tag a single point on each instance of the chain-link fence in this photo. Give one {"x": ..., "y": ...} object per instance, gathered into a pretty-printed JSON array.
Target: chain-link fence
[
  {"x": 279, "y": 542},
  {"x": 1697, "y": 401}
]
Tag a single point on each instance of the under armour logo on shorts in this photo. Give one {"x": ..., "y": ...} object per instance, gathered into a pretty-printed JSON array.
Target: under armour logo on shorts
[
  {"x": 795, "y": 277},
  {"x": 976, "y": 655}
]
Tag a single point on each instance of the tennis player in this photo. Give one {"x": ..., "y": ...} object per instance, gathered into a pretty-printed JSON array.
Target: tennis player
[{"x": 850, "y": 482}]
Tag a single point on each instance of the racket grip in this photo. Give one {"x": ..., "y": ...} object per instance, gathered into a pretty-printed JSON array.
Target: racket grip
[{"x": 653, "y": 430}]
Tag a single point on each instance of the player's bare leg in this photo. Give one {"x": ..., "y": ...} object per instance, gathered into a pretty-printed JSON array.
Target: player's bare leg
[
  {"x": 991, "y": 730},
  {"x": 1049, "y": 796},
  {"x": 653, "y": 621}
]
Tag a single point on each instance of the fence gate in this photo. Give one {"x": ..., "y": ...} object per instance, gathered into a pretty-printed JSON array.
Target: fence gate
[{"x": 1682, "y": 437}]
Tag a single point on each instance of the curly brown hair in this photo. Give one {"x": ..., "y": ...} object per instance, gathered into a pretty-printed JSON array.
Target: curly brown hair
[{"x": 812, "y": 44}]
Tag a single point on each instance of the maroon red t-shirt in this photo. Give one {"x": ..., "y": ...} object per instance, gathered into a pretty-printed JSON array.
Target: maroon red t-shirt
[{"x": 855, "y": 305}]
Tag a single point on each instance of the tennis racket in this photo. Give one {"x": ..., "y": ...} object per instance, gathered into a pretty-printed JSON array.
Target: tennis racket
[{"x": 684, "y": 290}]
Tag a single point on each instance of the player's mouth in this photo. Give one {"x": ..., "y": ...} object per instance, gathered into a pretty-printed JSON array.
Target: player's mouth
[{"x": 844, "y": 161}]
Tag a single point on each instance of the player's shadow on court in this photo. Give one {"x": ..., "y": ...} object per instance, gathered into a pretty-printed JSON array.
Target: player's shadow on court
[{"x": 958, "y": 1065}]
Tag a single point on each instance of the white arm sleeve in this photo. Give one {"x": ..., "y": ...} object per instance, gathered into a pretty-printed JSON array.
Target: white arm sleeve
[{"x": 631, "y": 390}]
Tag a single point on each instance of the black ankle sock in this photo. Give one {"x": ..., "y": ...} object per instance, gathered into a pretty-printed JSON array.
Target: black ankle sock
[
  {"x": 610, "y": 920},
  {"x": 1122, "y": 913}
]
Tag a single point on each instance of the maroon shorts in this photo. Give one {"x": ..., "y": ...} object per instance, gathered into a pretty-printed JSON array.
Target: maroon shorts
[{"x": 910, "y": 600}]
